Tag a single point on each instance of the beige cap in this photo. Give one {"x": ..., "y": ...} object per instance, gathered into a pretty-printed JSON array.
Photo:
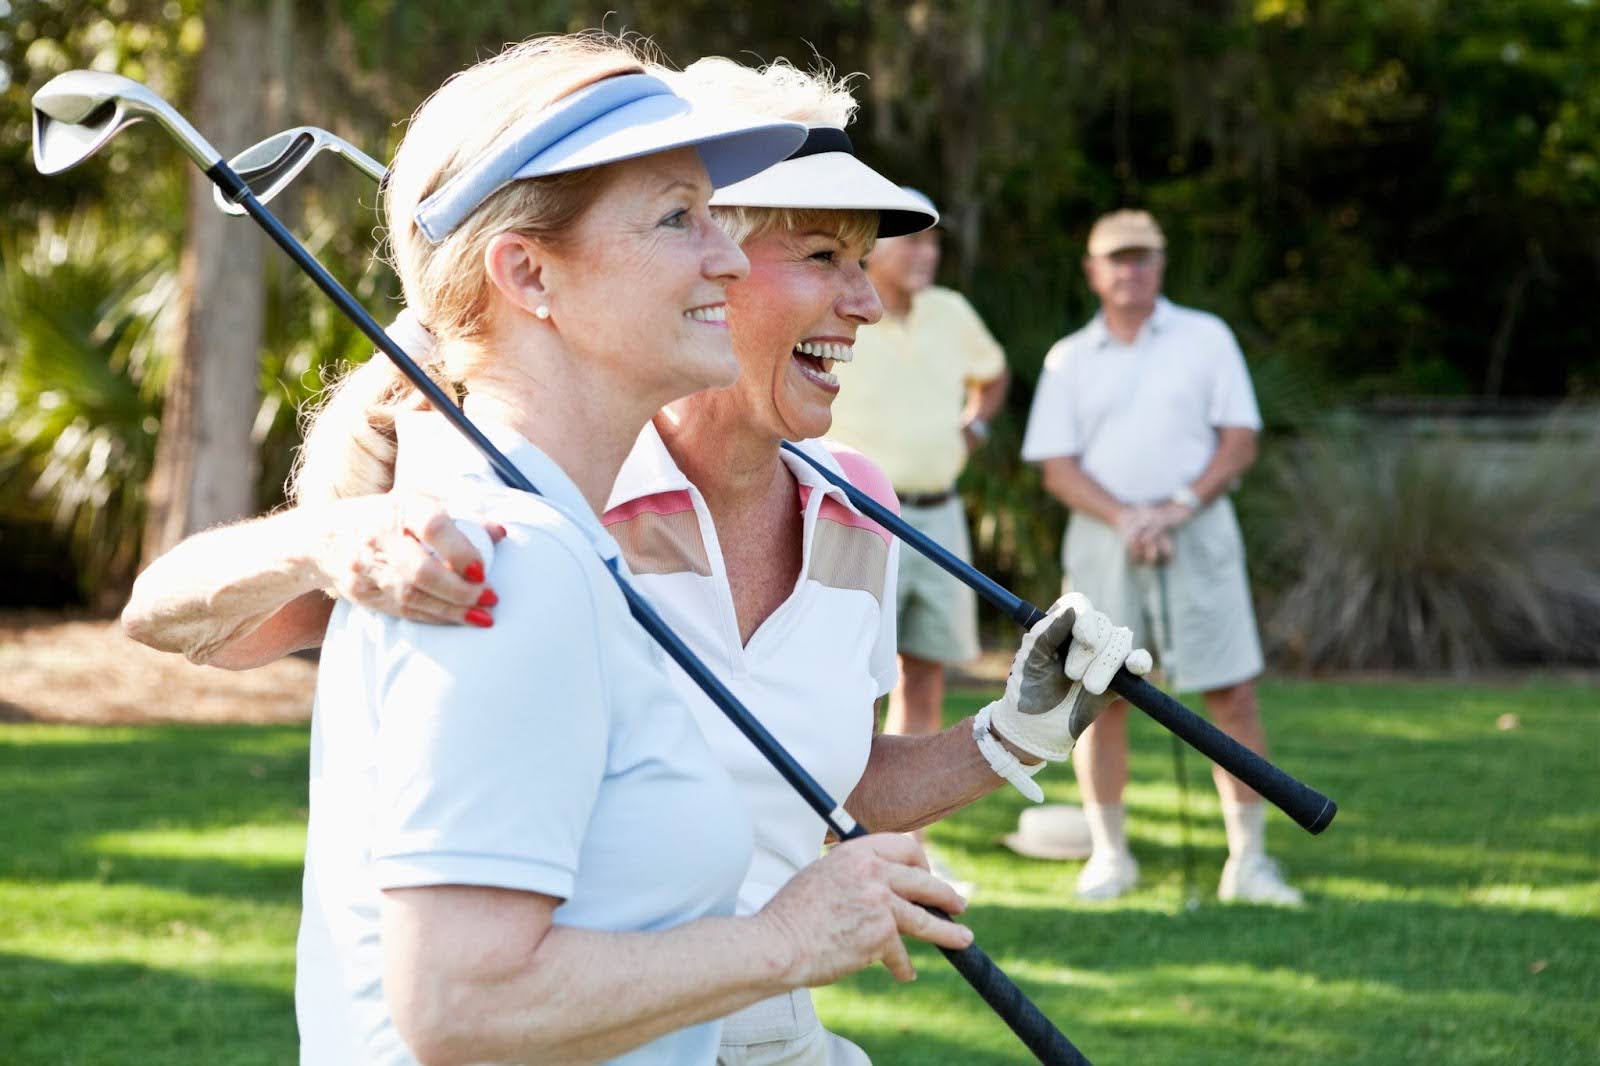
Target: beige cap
[
  {"x": 1125, "y": 229},
  {"x": 1051, "y": 831}
]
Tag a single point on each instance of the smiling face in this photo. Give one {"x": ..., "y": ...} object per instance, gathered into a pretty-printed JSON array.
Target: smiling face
[
  {"x": 639, "y": 284},
  {"x": 795, "y": 316}
]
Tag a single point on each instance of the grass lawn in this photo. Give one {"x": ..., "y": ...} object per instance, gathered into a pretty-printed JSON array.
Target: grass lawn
[{"x": 149, "y": 885}]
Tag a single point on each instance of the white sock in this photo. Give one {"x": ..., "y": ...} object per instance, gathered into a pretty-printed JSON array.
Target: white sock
[
  {"x": 1246, "y": 824},
  {"x": 1105, "y": 828}
]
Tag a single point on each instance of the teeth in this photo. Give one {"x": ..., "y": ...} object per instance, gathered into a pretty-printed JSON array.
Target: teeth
[
  {"x": 837, "y": 353},
  {"x": 818, "y": 375},
  {"x": 708, "y": 314}
]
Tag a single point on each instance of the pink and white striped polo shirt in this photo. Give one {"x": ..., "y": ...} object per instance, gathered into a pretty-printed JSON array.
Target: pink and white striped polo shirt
[{"x": 813, "y": 669}]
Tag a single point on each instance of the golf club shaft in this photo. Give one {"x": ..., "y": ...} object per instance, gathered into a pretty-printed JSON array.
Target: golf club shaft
[
  {"x": 1036, "y": 1031},
  {"x": 1308, "y": 807}
]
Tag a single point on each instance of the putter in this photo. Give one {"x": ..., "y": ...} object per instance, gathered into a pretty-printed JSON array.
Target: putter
[
  {"x": 1309, "y": 808},
  {"x": 76, "y": 113}
]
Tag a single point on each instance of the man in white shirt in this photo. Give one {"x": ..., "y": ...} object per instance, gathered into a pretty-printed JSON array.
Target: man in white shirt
[{"x": 1143, "y": 421}]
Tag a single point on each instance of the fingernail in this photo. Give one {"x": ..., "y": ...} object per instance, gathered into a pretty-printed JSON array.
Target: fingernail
[
  {"x": 496, "y": 531},
  {"x": 480, "y": 618},
  {"x": 473, "y": 572},
  {"x": 488, "y": 598}
]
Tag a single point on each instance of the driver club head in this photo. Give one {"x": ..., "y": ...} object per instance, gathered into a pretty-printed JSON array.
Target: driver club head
[
  {"x": 270, "y": 166},
  {"x": 76, "y": 113}
]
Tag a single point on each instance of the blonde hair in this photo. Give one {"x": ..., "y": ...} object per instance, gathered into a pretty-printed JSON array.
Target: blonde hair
[
  {"x": 349, "y": 446},
  {"x": 778, "y": 90}
]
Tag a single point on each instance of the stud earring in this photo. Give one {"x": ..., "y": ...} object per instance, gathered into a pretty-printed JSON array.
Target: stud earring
[{"x": 541, "y": 312}]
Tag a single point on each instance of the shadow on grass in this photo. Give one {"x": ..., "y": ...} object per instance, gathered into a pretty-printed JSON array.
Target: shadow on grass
[
  {"x": 99, "y": 1012},
  {"x": 1230, "y": 984},
  {"x": 69, "y": 789}
]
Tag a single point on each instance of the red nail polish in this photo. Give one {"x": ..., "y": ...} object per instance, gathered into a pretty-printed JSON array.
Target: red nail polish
[
  {"x": 488, "y": 599},
  {"x": 473, "y": 572},
  {"x": 480, "y": 618}
]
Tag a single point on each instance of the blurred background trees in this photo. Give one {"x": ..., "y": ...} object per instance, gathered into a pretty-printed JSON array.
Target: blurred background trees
[{"x": 1387, "y": 200}]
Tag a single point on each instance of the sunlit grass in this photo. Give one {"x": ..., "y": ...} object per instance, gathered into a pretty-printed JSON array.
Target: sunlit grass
[{"x": 149, "y": 897}]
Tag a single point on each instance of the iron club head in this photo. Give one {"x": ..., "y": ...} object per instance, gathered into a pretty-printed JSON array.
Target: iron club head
[
  {"x": 76, "y": 113},
  {"x": 270, "y": 166}
]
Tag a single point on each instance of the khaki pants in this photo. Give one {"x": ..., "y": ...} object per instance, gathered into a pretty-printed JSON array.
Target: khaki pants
[{"x": 784, "y": 1031}]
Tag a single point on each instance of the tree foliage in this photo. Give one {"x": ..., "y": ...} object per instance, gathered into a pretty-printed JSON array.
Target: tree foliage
[{"x": 1397, "y": 197}]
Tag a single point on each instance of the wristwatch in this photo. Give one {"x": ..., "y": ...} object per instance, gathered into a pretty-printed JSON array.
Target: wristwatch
[
  {"x": 978, "y": 428},
  {"x": 1185, "y": 497}
]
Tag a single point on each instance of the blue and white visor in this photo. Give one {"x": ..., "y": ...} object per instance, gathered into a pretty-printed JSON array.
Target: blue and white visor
[
  {"x": 824, "y": 174},
  {"x": 619, "y": 118}
]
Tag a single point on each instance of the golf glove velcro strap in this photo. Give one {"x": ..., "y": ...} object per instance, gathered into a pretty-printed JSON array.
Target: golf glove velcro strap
[
  {"x": 1002, "y": 762},
  {"x": 1047, "y": 704}
]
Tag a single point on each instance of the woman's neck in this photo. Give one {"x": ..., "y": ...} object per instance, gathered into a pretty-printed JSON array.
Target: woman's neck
[
  {"x": 735, "y": 465},
  {"x": 584, "y": 422}
]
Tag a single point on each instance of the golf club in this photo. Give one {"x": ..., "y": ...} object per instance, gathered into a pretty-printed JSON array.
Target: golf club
[
  {"x": 1306, "y": 806},
  {"x": 269, "y": 166},
  {"x": 77, "y": 112}
]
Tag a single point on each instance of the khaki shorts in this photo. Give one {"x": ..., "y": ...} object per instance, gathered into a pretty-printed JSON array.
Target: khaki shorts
[
  {"x": 784, "y": 1031},
  {"x": 1193, "y": 613},
  {"x": 937, "y": 615}
]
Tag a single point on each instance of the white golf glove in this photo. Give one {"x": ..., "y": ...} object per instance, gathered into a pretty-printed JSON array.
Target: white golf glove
[{"x": 1046, "y": 707}]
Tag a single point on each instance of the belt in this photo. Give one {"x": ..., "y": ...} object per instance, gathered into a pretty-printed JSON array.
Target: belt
[{"x": 924, "y": 499}]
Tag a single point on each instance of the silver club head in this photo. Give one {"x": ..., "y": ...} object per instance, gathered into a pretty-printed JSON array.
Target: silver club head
[
  {"x": 270, "y": 166},
  {"x": 76, "y": 113}
]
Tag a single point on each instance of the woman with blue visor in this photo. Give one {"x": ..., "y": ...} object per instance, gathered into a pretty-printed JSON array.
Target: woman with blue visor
[{"x": 767, "y": 571}]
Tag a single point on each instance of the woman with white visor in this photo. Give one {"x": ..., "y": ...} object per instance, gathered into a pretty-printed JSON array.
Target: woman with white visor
[
  {"x": 765, "y": 569},
  {"x": 520, "y": 847}
]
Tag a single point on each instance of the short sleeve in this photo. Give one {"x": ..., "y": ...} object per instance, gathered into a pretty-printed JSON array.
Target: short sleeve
[
  {"x": 984, "y": 359},
  {"x": 885, "y": 663},
  {"x": 1053, "y": 429},
  {"x": 867, "y": 476},
  {"x": 492, "y": 743},
  {"x": 1233, "y": 398}
]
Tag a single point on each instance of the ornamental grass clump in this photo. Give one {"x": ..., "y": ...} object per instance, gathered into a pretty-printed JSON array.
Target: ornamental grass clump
[{"x": 1391, "y": 550}]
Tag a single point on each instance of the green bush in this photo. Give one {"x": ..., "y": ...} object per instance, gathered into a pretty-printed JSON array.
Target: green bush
[
  {"x": 1377, "y": 548},
  {"x": 80, "y": 370}
]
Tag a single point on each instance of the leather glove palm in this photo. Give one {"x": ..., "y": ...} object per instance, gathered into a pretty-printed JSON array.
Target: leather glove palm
[{"x": 1047, "y": 704}]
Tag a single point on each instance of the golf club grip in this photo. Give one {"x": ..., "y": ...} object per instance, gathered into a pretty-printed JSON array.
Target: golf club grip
[
  {"x": 1308, "y": 807},
  {"x": 1048, "y": 1044}
]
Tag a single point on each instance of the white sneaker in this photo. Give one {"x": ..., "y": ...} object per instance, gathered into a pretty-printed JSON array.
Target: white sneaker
[
  {"x": 1107, "y": 875},
  {"x": 1254, "y": 878}
]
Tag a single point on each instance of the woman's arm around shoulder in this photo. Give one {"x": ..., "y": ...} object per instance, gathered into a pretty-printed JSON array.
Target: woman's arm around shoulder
[{"x": 244, "y": 595}]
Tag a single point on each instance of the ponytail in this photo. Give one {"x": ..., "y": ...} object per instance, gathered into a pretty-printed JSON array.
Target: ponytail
[{"x": 349, "y": 446}]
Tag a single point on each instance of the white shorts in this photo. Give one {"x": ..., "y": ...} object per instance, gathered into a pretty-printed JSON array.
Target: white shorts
[
  {"x": 784, "y": 1031},
  {"x": 1193, "y": 613}
]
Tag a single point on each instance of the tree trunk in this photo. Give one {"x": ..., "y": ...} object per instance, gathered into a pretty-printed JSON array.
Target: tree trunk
[{"x": 205, "y": 464}]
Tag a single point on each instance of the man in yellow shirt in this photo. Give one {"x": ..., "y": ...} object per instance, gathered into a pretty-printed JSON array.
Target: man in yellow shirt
[{"x": 916, "y": 400}]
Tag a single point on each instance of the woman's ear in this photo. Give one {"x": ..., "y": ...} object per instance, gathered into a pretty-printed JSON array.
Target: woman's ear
[{"x": 515, "y": 264}]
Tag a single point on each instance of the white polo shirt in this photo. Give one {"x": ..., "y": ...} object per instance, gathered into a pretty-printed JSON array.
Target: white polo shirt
[
  {"x": 1142, "y": 417},
  {"x": 810, "y": 673},
  {"x": 547, "y": 754}
]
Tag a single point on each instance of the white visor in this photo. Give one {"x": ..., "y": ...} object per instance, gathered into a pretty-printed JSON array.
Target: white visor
[
  {"x": 824, "y": 174},
  {"x": 610, "y": 121}
]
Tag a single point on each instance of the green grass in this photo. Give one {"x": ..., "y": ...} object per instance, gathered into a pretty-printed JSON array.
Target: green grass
[{"x": 149, "y": 883}]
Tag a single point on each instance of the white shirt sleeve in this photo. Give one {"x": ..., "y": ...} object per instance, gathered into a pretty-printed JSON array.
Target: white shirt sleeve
[
  {"x": 1233, "y": 398},
  {"x": 492, "y": 742},
  {"x": 1053, "y": 428}
]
